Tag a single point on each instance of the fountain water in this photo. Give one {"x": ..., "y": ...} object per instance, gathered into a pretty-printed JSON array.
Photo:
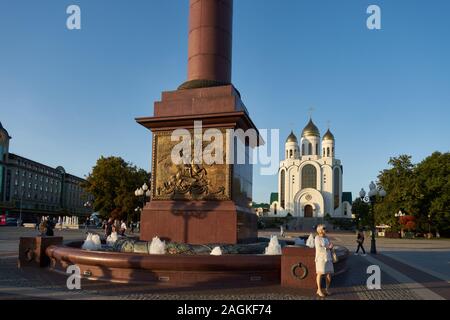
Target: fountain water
[
  {"x": 216, "y": 251},
  {"x": 310, "y": 241},
  {"x": 157, "y": 246},
  {"x": 274, "y": 247},
  {"x": 92, "y": 242},
  {"x": 112, "y": 239}
]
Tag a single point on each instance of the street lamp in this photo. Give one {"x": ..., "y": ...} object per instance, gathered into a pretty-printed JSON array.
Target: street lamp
[
  {"x": 371, "y": 198},
  {"x": 429, "y": 226},
  {"x": 398, "y": 215},
  {"x": 143, "y": 192}
]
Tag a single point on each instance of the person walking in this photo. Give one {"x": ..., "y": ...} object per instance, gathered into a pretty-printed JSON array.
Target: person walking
[
  {"x": 360, "y": 241},
  {"x": 109, "y": 227},
  {"x": 324, "y": 260},
  {"x": 123, "y": 228}
]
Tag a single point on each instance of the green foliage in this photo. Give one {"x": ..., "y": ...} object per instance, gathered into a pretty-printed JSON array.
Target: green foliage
[
  {"x": 420, "y": 190},
  {"x": 112, "y": 182},
  {"x": 361, "y": 211},
  {"x": 342, "y": 223}
]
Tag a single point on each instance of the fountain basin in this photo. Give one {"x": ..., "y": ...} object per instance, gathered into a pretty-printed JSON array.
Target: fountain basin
[
  {"x": 175, "y": 270},
  {"x": 230, "y": 270}
]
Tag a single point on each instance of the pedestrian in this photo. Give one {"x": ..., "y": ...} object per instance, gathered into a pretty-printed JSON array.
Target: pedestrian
[
  {"x": 281, "y": 231},
  {"x": 131, "y": 227},
  {"x": 108, "y": 227},
  {"x": 360, "y": 241},
  {"x": 50, "y": 226},
  {"x": 123, "y": 228},
  {"x": 324, "y": 260}
]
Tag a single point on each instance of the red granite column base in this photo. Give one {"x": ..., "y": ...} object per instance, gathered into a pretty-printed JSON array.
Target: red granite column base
[
  {"x": 197, "y": 222},
  {"x": 32, "y": 250}
]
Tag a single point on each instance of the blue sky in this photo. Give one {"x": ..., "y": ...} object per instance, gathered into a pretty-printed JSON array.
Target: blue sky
[{"x": 68, "y": 97}]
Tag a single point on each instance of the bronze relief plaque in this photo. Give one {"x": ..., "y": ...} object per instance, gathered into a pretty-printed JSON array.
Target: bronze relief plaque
[{"x": 189, "y": 180}]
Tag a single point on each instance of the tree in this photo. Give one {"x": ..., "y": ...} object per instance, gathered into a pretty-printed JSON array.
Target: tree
[
  {"x": 421, "y": 190},
  {"x": 361, "y": 211},
  {"x": 112, "y": 183},
  {"x": 399, "y": 183},
  {"x": 433, "y": 181}
]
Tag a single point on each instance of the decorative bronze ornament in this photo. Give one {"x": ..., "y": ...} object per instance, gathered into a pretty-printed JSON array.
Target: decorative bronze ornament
[
  {"x": 302, "y": 267},
  {"x": 187, "y": 181},
  {"x": 29, "y": 254}
]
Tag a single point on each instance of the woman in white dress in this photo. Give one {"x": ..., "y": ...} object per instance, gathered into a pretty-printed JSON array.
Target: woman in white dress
[{"x": 324, "y": 260}]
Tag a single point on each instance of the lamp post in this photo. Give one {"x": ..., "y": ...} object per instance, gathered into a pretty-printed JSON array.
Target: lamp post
[
  {"x": 372, "y": 199},
  {"x": 143, "y": 192},
  {"x": 87, "y": 205},
  {"x": 398, "y": 215},
  {"x": 429, "y": 226}
]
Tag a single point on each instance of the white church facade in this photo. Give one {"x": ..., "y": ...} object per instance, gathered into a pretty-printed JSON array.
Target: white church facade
[{"x": 310, "y": 178}]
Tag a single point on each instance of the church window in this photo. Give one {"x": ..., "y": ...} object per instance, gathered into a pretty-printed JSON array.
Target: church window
[
  {"x": 324, "y": 152},
  {"x": 290, "y": 153},
  {"x": 309, "y": 177},
  {"x": 317, "y": 149},
  {"x": 328, "y": 151},
  {"x": 333, "y": 152},
  {"x": 310, "y": 149},
  {"x": 282, "y": 188},
  {"x": 303, "y": 150},
  {"x": 336, "y": 187}
]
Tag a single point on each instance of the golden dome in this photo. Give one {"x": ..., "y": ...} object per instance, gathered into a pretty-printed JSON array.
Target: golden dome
[
  {"x": 328, "y": 135},
  {"x": 292, "y": 138},
  {"x": 311, "y": 129}
]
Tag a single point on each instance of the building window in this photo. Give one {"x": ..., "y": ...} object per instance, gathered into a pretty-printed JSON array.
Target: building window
[
  {"x": 282, "y": 188},
  {"x": 317, "y": 149},
  {"x": 336, "y": 187},
  {"x": 290, "y": 153},
  {"x": 328, "y": 151},
  {"x": 303, "y": 150},
  {"x": 309, "y": 177},
  {"x": 310, "y": 151}
]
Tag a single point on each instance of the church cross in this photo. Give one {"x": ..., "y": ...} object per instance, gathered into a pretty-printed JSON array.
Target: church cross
[{"x": 311, "y": 110}]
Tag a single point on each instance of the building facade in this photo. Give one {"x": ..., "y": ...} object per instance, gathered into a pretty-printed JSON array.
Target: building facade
[
  {"x": 29, "y": 189},
  {"x": 310, "y": 178}
]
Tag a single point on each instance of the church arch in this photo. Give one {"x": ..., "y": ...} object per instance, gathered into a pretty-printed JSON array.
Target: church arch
[
  {"x": 282, "y": 188},
  {"x": 309, "y": 177},
  {"x": 336, "y": 187}
]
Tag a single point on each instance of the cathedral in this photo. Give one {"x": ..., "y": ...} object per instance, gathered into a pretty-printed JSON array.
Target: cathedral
[{"x": 310, "y": 178}]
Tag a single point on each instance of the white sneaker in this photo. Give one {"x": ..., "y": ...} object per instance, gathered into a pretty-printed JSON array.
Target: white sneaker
[
  {"x": 364, "y": 255},
  {"x": 355, "y": 254}
]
